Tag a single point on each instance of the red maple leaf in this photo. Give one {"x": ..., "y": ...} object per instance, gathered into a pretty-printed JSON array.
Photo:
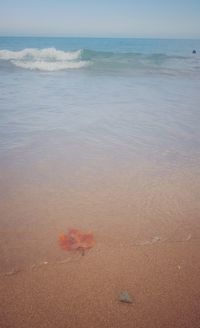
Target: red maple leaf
[{"x": 76, "y": 240}]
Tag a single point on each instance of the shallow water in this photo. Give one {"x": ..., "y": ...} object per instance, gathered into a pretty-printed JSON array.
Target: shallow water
[{"x": 109, "y": 144}]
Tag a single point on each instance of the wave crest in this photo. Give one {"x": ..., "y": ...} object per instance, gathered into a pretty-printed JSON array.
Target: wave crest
[{"x": 48, "y": 59}]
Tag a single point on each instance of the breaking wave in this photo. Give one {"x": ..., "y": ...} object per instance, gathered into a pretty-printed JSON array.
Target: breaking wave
[{"x": 48, "y": 59}]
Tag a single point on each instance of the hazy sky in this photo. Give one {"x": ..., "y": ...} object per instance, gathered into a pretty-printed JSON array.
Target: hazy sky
[{"x": 128, "y": 18}]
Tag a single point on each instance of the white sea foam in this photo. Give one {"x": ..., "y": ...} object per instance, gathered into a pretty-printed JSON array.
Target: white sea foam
[
  {"x": 49, "y": 66},
  {"x": 48, "y": 59},
  {"x": 47, "y": 53}
]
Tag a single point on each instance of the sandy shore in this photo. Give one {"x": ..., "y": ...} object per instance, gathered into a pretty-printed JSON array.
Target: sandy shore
[
  {"x": 147, "y": 242},
  {"x": 162, "y": 278}
]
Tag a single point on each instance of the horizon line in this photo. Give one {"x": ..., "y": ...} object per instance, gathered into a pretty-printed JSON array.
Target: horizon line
[{"x": 101, "y": 37}]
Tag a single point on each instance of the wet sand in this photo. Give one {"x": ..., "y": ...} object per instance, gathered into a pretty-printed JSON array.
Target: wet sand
[{"x": 147, "y": 232}]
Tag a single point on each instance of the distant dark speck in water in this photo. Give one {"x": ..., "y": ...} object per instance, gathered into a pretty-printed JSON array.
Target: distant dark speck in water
[{"x": 194, "y": 51}]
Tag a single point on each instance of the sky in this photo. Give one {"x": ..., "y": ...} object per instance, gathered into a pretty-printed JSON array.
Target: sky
[{"x": 101, "y": 18}]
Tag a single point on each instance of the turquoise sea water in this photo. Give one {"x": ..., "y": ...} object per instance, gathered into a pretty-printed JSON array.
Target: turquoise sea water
[{"x": 138, "y": 95}]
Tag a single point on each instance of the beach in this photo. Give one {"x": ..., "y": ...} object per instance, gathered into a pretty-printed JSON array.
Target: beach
[
  {"x": 84, "y": 292},
  {"x": 141, "y": 246},
  {"x": 101, "y": 136}
]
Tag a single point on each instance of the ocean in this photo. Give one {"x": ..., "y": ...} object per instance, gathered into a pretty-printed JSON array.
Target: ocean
[
  {"x": 97, "y": 133},
  {"x": 138, "y": 94}
]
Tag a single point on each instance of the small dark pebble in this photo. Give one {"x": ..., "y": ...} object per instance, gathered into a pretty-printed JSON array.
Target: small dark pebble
[{"x": 125, "y": 297}]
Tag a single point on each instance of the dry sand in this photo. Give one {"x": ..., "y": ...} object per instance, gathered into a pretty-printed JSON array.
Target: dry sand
[{"x": 163, "y": 278}]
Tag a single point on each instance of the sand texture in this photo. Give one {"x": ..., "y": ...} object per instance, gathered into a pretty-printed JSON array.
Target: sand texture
[{"x": 84, "y": 291}]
